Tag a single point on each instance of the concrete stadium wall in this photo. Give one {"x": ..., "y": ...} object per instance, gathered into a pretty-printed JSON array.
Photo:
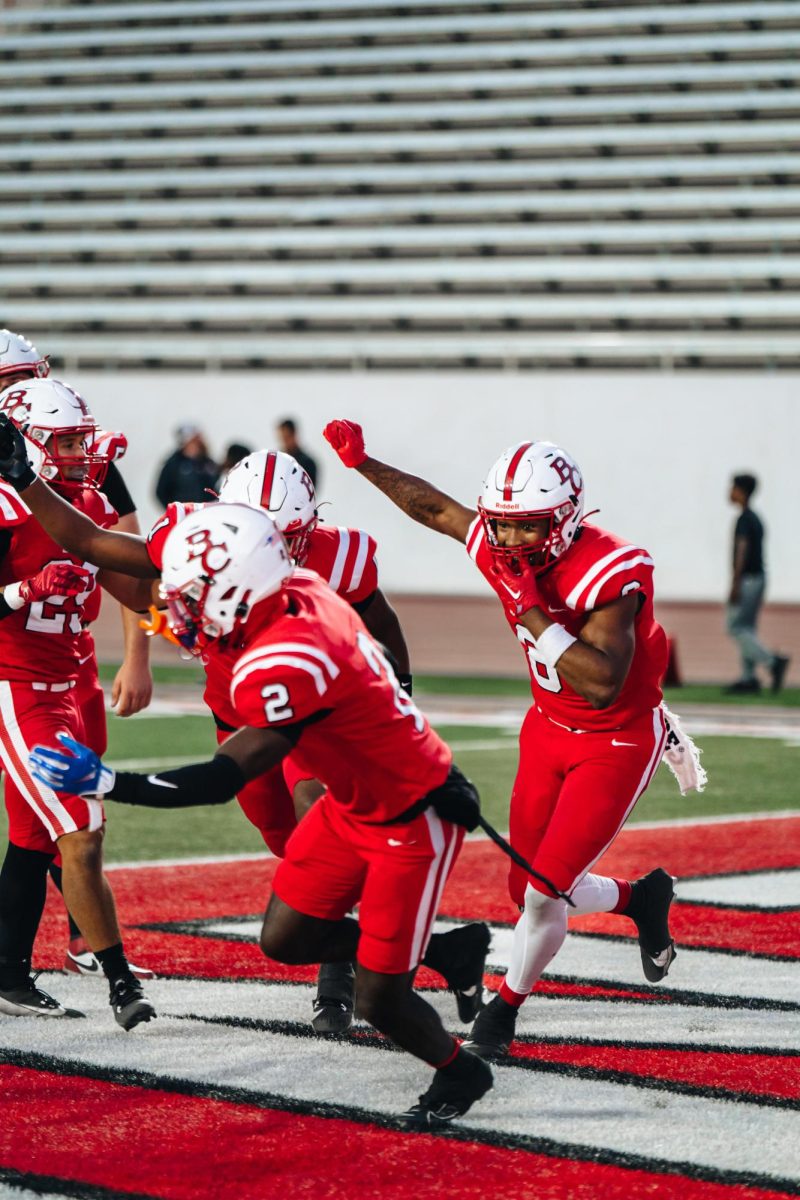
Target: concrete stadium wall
[{"x": 656, "y": 449}]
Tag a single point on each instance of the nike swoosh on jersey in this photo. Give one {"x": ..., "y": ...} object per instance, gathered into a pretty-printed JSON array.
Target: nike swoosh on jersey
[
  {"x": 614, "y": 742},
  {"x": 395, "y": 842},
  {"x": 162, "y": 782}
]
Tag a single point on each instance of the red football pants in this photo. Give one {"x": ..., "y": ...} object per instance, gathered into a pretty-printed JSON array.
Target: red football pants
[
  {"x": 573, "y": 793},
  {"x": 267, "y": 803},
  {"x": 38, "y": 816},
  {"x": 398, "y": 873}
]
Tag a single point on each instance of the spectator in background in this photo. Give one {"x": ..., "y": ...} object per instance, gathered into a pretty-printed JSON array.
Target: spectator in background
[
  {"x": 747, "y": 593},
  {"x": 189, "y": 471},
  {"x": 233, "y": 455},
  {"x": 287, "y": 436}
]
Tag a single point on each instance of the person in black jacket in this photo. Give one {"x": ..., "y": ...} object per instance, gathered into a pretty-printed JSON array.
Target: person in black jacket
[
  {"x": 747, "y": 593},
  {"x": 190, "y": 472}
]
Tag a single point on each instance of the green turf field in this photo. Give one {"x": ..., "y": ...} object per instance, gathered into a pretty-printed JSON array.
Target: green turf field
[{"x": 746, "y": 775}]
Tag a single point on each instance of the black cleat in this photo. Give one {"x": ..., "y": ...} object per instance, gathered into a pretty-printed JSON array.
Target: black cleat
[
  {"x": 743, "y": 687},
  {"x": 334, "y": 1002},
  {"x": 27, "y": 1000},
  {"x": 460, "y": 957},
  {"x": 777, "y": 671},
  {"x": 451, "y": 1094},
  {"x": 493, "y": 1032},
  {"x": 648, "y": 908},
  {"x": 129, "y": 1003}
]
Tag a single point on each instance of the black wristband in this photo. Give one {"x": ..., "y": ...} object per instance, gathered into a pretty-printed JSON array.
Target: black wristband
[
  {"x": 5, "y": 608},
  {"x": 212, "y": 782},
  {"x": 406, "y": 682}
]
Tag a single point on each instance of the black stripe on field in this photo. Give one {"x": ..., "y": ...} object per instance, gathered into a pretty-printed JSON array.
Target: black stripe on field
[
  {"x": 125, "y": 1077},
  {"x": 200, "y": 928},
  {"x": 737, "y": 908},
  {"x": 633, "y": 993},
  {"x": 373, "y": 1040},
  {"x": 704, "y": 947},
  {"x": 44, "y": 1185}
]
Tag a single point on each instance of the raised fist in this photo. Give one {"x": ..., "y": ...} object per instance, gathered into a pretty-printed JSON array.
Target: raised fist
[
  {"x": 56, "y": 579},
  {"x": 347, "y": 439},
  {"x": 14, "y": 465}
]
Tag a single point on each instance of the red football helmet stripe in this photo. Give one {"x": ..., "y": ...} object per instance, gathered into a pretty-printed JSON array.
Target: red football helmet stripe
[
  {"x": 269, "y": 475},
  {"x": 512, "y": 470}
]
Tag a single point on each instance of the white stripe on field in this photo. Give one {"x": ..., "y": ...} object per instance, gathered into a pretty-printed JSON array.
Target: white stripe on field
[{"x": 605, "y": 1116}]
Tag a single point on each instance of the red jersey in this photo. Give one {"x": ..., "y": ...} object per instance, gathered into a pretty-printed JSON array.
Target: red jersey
[
  {"x": 42, "y": 641},
  {"x": 598, "y": 568},
  {"x": 345, "y": 558},
  {"x": 376, "y": 752}
]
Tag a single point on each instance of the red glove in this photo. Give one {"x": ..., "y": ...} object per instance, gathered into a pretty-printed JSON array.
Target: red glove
[
  {"x": 518, "y": 587},
  {"x": 56, "y": 579},
  {"x": 347, "y": 439}
]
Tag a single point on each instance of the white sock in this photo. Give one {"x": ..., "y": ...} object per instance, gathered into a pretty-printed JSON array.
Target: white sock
[
  {"x": 538, "y": 936},
  {"x": 594, "y": 894}
]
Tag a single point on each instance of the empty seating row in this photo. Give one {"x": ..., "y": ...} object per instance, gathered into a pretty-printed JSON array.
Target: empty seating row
[
  {"x": 270, "y": 61},
  {"x": 653, "y": 348},
  {"x": 426, "y": 143},
  {"x": 464, "y": 181},
  {"x": 458, "y": 311},
  {"x": 512, "y": 238},
  {"x": 198, "y": 88},
  {"x": 378, "y": 221},
  {"x": 531, "y": 111},
  {"x": 515, "y": 24}
]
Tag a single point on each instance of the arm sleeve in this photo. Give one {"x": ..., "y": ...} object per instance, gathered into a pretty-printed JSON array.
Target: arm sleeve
[
  {"x": 212, "y": 782},
  {"x": 116, "y": 491}
]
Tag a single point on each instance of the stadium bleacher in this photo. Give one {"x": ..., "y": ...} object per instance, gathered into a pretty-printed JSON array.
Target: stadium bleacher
[{"x": 377, "y": 183}]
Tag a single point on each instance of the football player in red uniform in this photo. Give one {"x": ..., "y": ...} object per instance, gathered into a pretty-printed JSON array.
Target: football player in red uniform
[
  {"x": 48, "y": 599},
  {"x": 580, "y": 601},
  {"x": 132, "y": 688},
  {"x": 307, "y": 678},
  {"x": 346, "y": 558}
]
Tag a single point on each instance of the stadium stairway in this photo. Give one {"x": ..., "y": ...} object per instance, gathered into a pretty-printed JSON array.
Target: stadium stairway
[{"x": 351, "y": 183}]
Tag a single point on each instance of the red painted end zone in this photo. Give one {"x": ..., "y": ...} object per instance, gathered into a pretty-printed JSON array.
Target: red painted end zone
[{"x": 185, "y": 1148}]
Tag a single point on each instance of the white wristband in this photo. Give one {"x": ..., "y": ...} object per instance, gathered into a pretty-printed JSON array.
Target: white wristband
[
  {"x": 12, "y": 597},
  {"x": 551, "y": 644}
]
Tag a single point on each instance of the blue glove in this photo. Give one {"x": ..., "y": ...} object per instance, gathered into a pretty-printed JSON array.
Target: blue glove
[{"x": 76, "y": 770}]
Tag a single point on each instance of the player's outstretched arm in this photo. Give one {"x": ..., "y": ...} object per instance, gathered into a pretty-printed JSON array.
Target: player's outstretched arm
[
  {"x": 77, "y": 770},
  {"x": 419, "y": 499},
  {"x": 69, "y": 528}
]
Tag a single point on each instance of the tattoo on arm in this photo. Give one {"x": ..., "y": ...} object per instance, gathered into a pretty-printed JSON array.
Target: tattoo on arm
[{"x": 419, "y": 499}]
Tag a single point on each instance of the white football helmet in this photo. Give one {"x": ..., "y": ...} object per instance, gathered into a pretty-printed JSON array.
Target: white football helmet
[
  {"x": 534, "y": 481},
  {"x": 276, "y": 482},
  {"x": 42, "y": 408},
  {"x": 17, "y": 354},
  {"x": 218, "y": 562}
]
